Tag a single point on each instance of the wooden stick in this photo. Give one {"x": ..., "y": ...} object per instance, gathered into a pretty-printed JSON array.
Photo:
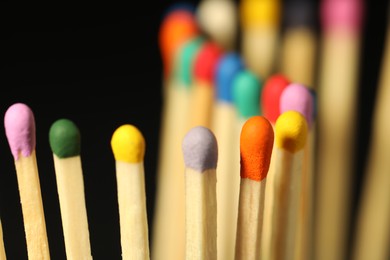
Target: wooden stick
[
  {"x": 224, "y": 125},
  {"x": 203, "y": 89},
  {"x": 337, "y": 97},
  {"x": 64, "y": 138},
  {"x": 260, "y": 34},
  {"x": 291, "y": 134},
  {"x": 299, "y": 42},
  {"x": 298, "y": 98},
  {"x": 3, "y": 255},
  {"x": 256, "y": 143},
  {"x": 168, "y": 222},
  {"x": 372, "y": 228},
  {"x": 128, "y": 146},
  {"x": 200, "y": 153},
  {"x": 19, "y": 125},
  {"x": 270, "y": 107}
]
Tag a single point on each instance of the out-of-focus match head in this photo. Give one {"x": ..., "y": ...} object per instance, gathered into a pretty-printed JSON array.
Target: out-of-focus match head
[
  {"x": 64, "y": 138},
  {"x": 176, "y": 27},
  {"x": 256, "y": 144},
  {"x": 291, "y": 131},
  {"x": 264, "y": 13},
  {"x": 300, "y": 13},
  {"x": 180, "y": 6},
  {"x": 19, "y": 124},
  {"x": 270, "y": 96},
  {"x": 246, "y": 91},
  {"x": 205, "y": 64},
  {"x": 200, "y": 149},
  {"x": 229, "y": 65},
  {"x": 342, "y": 14},
  {"x": 218, "y": 20},
  {"x": 185, "y": 60},
  {"x": 128, "y": 144},
  {"x": 298, "y": 97}
]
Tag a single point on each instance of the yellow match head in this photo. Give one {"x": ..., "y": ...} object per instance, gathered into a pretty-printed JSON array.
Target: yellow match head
[
  {"x": 128, "y": 144},
  {"x": 260, "y": 13},
  {"x": 291, "y": 131}
]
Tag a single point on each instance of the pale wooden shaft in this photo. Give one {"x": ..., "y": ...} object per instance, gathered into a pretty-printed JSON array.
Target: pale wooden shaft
[
  {"x": 373, "y": 225},
  {"x": 201, "y": 215},
  {"x": 298, "y": 55},
  {"x": 285, "y": 209},
  {"x": 250, "y": 219},
  {"x": 228, "y": 184},
  {"x": 337, "y": 95},
  {"x": 3, "y": 255},
  {"x": 259, "y": 47},
  {"x": 201, "y": 104},
  {"x": 132, "y": 210},
  {"x": 169, "y": 217},
  {"x": 70, "y": 187},
  {"x": 32, "y": 207}
]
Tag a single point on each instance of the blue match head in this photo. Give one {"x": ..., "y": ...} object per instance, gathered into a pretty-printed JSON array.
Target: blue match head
[
  {"x": 183, "y": 5},
  {"x": 228, "y": 66}
]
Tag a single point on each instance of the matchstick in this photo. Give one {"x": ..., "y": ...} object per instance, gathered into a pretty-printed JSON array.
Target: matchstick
[
  {"x": 260, "y": 22},
  {"x": 256, "y": 144},
  {"x": 65, "y": 143},
  {"x": 337, "y": 103},
  {"x": 203, "y": 89},
  {"x": 270, "y": 107},
  {"x": 372, "y": 225},
  {"x": 128, "y": 147},
  {"x": 298, "y": 97},
  {"x": 19, "y": 123},
  {"x": 223, "y": 125},
  {"x": 200, "y": 152},
  {"x": 290, "y": 139},
  {"x": 3, "y": 255},
  {"x": 168, "y": 225},
  {"x": 298, "y": 52},
  {"x": 218, "y": 19}
]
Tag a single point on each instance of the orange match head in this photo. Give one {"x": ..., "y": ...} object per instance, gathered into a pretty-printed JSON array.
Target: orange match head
[
  {"x": 256, "y": 144},
  {"x": 176, "y": 28}
]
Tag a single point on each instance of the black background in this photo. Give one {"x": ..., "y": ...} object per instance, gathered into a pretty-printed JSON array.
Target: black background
[{"x": 101, "y": 67}]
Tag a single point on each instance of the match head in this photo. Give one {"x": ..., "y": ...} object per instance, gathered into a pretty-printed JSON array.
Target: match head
[
  {"x": 19, "y": 123},
  {"x": 218, "y": 20},
  {"x": 246, "y": 93},
  {"x": 64, "y": 138},
  {"x": 298, "y": 97},
  {"x": 291, "y": 131},
  {"x": 270, "y": 96},
  {"x": 205, "y": 64},
  {"x": 180, "y": 6},
  {"x": 229, "y": 65},
  {"x": 300, "y": 13},
  {"x": 342, "y": 14},
  {"x": 200, "y": 149},
  {"x": 256, "y": 144},
  {"x": 128, "y": 144},
  {"x": 177, "y": 27},
  {"x": 185, "y": 60},
  {"x": 255, "y": 13}
]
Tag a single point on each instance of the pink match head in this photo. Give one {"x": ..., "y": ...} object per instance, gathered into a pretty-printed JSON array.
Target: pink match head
[
  {"x": 19, "y": 126},
  {"x": 343, "y": 14},
  {"x": 298, "y": 98}
]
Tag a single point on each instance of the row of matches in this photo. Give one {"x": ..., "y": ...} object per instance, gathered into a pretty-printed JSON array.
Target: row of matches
[
  {"x": 205, "y": 85},
  {"x": 200, "y": 154}
]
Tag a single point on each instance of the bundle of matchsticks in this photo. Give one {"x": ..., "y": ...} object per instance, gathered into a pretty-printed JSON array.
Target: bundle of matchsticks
[{"x": 243, "y": 172}]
